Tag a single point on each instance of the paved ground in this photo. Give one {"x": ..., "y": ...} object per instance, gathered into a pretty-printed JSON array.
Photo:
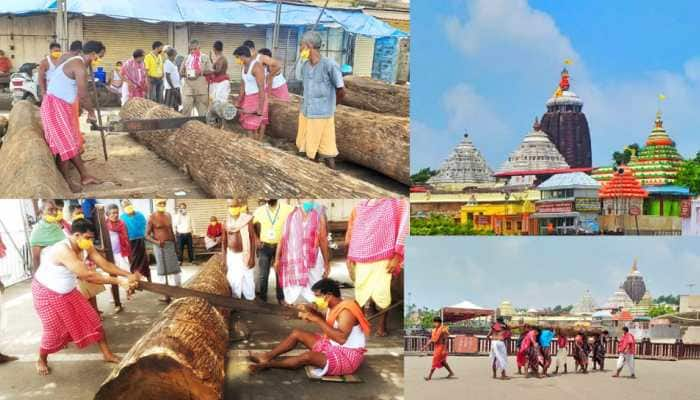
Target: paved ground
[
  {"x": 673, "y": 380},
  {"x": 77, "y": 374}
]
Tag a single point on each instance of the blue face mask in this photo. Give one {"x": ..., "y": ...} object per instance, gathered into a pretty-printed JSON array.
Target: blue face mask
[{"x": 308, "y": 206}]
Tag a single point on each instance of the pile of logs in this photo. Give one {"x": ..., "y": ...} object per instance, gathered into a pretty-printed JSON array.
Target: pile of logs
[
  {"x": 227, "y": 164},
  {"x": 182, "y": 356},
  {"x": 372, "y": 125},
  {"x": 27, "y": 167}
]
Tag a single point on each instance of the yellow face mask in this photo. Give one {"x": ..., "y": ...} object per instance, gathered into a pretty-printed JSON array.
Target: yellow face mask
[
  {"x": 129, "y": 209},
  {"x": 239, "y": 61},
  {"x": 321, "y": 303},
  {"x": 305, "y": 54},
  {"x": 84, "y": 244},
  {"x": 52, "y": 219},
  {"x": 160, "y": 208},
  {"x": 56, "y": 54},
  {"x": 96, "y": 62},
  {"x": 236, "y": 211},
  {"x": 78, "y": 216}
]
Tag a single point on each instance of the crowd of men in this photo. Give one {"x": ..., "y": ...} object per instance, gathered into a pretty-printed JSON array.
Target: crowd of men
[
  {"x": 534, "y": 350},
  {"x": 71, "y": 270},
  {"x": 196, "y": 81}
]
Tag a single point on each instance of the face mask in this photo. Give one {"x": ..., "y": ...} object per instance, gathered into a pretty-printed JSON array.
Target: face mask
[
  {"x": 56, "y": 54},
  {"x": 129, "y": 209},
  {"x": 308, "y": 206},
  {"x": 321, "y": 303},
  {"x": 52, "y": 219},
  {"x": 196, "y": 52},
  {"x": 160, "y": 209},
  {"x": 78, "y": 216},
  {"x": 239, "y": 61},
  {"x": 305, "y": 54},
  {"x": 84, "y": 244},
  {"x": 96, "y": 62},
  {"x": 236, "y": 211},
  {"x": 59, "y": 216}
]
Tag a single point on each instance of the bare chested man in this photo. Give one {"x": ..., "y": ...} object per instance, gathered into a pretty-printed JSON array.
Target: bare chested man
[
  {"x": 239, "y": 250},
  {"x": 159, "y": 231},
  {"x": 499, "y": 355}
]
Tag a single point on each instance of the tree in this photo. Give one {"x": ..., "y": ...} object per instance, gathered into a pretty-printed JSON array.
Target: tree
[
  {"x": 442, "y": 225},
  {"x": 423, "y": 175},
  {"x": 689, "y": 174},
  {"x": 660, "y": 309},
  {"x": 625, "y": 155},
  {"x": 426, "y": 318},
  {"x": 669, "y": 299}
]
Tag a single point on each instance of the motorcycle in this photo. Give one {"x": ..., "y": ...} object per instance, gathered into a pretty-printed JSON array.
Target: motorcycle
[{"x": 25, "y": 84}]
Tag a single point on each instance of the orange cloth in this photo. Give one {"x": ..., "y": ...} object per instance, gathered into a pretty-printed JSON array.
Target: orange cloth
[
  {"x": 5, "y": 65},
  {"x": 354, "y": 308},
  {"x": 440, "y": 351}
]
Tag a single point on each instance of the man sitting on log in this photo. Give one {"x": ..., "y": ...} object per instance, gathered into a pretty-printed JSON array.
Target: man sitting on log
[
  {"x": 61, "y": 129},
  {"x": 323, "y": 89},
  {"x": 66, "y": 316},
  {"x": 340, "y": 349}
]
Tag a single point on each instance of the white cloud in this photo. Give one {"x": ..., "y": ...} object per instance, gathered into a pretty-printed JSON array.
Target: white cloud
[{"x": 692, "y": 69}]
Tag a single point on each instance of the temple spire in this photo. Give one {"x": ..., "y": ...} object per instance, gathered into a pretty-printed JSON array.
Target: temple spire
[{"x": 634, "y": 266}]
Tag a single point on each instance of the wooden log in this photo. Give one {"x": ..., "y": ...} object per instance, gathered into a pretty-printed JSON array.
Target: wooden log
[
  {"x": 228, "y": 164},
  {"x": 27, "y": 167},
  {"x": 376, "y": 141},
  {"x": 376, "y": 96},
  {"x": 182, "y": 356}
]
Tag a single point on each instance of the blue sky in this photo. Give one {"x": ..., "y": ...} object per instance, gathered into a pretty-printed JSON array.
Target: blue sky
[
  {"x": 488, "y": 66},
  {"x": 541, "y": 272}
]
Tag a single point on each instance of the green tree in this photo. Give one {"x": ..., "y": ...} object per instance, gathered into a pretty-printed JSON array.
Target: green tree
[
  {"x": 689, "y": 174},
  {"x": 442, "y": 225},
  {"x": 423, "y": 175},
  {"x": 668, "y": 299},
  {"x": 624, "y": 156},
  {"x": 426, "y": 318},
  {"x": 660, "y": 309}
]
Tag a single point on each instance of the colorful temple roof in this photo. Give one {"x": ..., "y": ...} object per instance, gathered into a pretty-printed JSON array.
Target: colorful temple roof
[
  {"x": 657, "y": 162},
  {"x": 563, "y": 94},
  {"x": 535, "y": 153},
  {"x": 622, "y": 185},
  {"x": 464, "y": 165}
]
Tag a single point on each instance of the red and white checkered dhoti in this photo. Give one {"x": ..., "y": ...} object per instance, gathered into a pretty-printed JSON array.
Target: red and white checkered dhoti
[
  {"x": 247, "y": 118},
  {"x": 341, "y": 360},
  {"x": 61, "y": 130},
  {"x": 65, "y": 318}
]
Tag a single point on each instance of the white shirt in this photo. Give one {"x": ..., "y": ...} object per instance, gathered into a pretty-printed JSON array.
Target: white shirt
[
  {"x": 170, "y": 68},
  {"x": 183, "y": 223}
]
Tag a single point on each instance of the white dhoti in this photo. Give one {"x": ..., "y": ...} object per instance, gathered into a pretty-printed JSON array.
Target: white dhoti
[
  {"x": 219, "y": 91},
  {"x": 122, "y": 262},
  {"x": 292, "y": 293},
  {"x": 561, "y": 357},
  {"x": 240, "y": 277},
  {"x": 499, "y": 355},
  {"x": 626, "y": 359},
  {"x": 209, "y": 242},
  {"x": 125, "y": 93}
]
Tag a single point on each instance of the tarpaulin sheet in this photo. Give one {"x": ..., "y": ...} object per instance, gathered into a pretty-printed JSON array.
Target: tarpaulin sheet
[
  {"x": 227, "y": 12},
  {"x": 24, "y": 6}
]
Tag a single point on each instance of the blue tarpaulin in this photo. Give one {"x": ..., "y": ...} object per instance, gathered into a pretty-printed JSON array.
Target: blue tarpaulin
[
  {"x": 24, "y": 6},
  {"x": 225, "y": 12}
]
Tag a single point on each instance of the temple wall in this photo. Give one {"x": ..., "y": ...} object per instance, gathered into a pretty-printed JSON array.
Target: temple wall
[{"x": 648, "y": 224}]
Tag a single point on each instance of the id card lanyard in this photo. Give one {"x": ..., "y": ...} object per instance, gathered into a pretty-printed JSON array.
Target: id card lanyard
[{"x": 271, "y": 232}]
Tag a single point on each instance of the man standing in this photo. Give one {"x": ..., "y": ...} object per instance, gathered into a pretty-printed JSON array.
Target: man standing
[
  {"x": 195, "y": 90},
  {"x": 3, "y": 358},
  {"x": 323, "y": 89},
  {"x": 252, "y": 100},
  {"x": 269, "y": 220},
  {"x": 340, "y": 349},
  {"x": 438, "y": 338},
  {"x": 68, "y": 83},
  {"x": 499, "y": 354},
  {"x": 159, "y": 231},
  {"x": 219, "y": 84},
  {"x": 134, "y": 74},
  {"x": 562, "y": 352},
  {"x": 47, "y": 231},
  {"x": 135, "y": 223},
  {"x": 546, "y": 336},
  {"x": 172, "y": 81},
  {"x": 239, "y": 250},
  {"x": 154, "y": 69},
  {"x": 47, "y": 66},
  {"x": 627, "y": 348},
  {"x": 66, "y": 316},
  {"x": 183, "y": 232},
  {"x": 599, "y": 345},
  {"x": 5, "y": 64},
  {"x": 375, "y": 240}
]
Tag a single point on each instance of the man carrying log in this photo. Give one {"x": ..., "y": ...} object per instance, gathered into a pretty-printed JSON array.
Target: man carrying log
[
  {"x": 323, "y": 89},
  {"x": 239, "y": 250},
  {"x": 159, "y": 231},
  {"x": 66, "y": 316},
  {"x": 61, "y": 130},
  {"x": 341, "y": 347}
]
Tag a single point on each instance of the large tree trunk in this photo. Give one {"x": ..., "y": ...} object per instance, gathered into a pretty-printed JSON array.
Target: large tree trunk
[
  {"x": 27, "y": 167},
  {"x": 182, "y": 356},
  {"x": 225, "y": 164},
  {"x": 377, "y": 96},
  {"x": 376, "y": 141}
]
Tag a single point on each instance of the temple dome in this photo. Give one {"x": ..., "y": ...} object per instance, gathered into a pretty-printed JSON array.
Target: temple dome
[
  {"x": 658, "y": 161},
  {"x": 535, "y": 153},
  {"x": 619, "y": 299},
  {"x": 622, "y": 185},
  {"x": 586, "y": 305},
  {"x": 465, "y": 165},
  {"x": 506, "y": 309},
  {"x": 634, "y": 284},
  {"x": 566, "y": 98}
]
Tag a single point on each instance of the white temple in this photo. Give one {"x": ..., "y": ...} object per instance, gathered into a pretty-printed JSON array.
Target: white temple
[
  {"x": 464, "y": 167},
  {"x": 586, "y": 305},
  {"x": 535, "y": 153}
]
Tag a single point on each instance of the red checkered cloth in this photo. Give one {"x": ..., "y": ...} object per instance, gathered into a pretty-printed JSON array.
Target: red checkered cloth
[
  {"x": 65, "y": 318},
  {"x": 60, "y": 128},
  {"x": 341, "y": 360},
  {"x": 248, "y": 119},
  {"x": 379, "y": 230},
  {"x": 298, "y": 248}
]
